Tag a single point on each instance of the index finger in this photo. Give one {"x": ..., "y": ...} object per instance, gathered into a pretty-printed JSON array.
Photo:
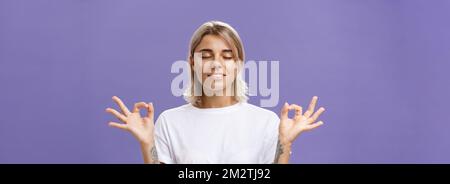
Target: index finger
[
  {"x": 150, "y": 110},
  {"x": 121, "y": 105},
  {"x": 284, "y": 111},
  {"x": 139, "y": 105}
]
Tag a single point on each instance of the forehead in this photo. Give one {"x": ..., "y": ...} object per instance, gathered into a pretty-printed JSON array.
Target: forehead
[{"x": 213, "y": 42}]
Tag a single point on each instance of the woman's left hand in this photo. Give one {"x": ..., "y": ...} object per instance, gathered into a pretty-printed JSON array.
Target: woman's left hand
[{"x": 291, "y": 128}]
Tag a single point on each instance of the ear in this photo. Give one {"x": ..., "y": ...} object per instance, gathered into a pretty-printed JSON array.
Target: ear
[{"x": 191, "y": 61}]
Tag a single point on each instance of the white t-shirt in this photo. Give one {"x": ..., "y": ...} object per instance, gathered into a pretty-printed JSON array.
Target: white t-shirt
[{"x": 240, "y": 133}]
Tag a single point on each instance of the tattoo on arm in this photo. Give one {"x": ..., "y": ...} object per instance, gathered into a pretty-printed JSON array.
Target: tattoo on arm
[
  {"x": 278, "y": 152},
  {"x": 154, "y": 155}
]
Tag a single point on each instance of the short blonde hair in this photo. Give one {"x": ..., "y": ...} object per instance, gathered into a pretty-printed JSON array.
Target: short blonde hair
[{"x": 230, "y": 35}]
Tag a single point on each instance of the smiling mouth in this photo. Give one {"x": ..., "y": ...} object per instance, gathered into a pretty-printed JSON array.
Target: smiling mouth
[{"x": 216, "y": 75}]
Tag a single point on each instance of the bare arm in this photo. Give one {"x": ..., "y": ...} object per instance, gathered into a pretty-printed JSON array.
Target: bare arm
[
  {"x": 283, "y": 153},
  {"x": 142, "y": 128},
  {"x": 291, "y": 128},
  {"x": 149, "y": 154}
]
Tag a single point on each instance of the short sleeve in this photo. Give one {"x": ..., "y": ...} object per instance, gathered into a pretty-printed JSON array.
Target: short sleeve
[
  {"x": 271, "y": 139},
  {"x": 163, "y": 147}
]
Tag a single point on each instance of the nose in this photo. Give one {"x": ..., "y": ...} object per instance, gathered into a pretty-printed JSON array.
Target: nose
[{"x": 216, "y": 65}]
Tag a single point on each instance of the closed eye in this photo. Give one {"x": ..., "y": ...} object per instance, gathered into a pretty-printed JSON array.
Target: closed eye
[{"x": 227, "y": 54}]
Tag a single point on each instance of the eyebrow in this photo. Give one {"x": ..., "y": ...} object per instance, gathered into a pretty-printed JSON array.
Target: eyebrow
[
  {"x": 209, "y": 50},
  {"x": 205, "y": 50}
]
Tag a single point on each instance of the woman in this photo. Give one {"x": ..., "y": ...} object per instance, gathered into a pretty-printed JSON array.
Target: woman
[{"x": 216, "y": 125}]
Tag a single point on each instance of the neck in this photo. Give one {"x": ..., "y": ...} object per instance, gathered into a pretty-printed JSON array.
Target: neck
[{"x": 216, "y": 101}]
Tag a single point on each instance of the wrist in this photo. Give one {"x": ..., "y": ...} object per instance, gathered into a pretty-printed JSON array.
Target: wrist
[
  {"x": 285, "y": 144},
  {"x": 286, "y": 147},
  {"x": 283, "y": 153},
  {"x": 149, "y": 152},
  {"x": 284, "y": 141},
  {"x": 146, "y": 144}
]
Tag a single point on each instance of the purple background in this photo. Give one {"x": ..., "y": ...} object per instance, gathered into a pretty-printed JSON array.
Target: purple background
[{"x": 379, "y": 67}]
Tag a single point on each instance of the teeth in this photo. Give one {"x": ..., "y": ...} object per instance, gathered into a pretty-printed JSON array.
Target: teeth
[{"x": 217, "y": 75}]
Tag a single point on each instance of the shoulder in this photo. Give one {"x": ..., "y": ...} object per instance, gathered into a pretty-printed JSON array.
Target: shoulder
[
  {"x": 260, "y": 111},
  {"x": 175, "y": 110},
  {"x": 265, "y": 118},
  {"x": 260, "y": 114}
]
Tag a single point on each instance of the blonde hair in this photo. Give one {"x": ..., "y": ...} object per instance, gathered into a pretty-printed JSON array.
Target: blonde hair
[{"x": 232, "y": 38}]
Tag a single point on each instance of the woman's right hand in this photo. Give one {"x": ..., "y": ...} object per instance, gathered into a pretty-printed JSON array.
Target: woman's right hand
[{"x": 141, "y": 127}]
